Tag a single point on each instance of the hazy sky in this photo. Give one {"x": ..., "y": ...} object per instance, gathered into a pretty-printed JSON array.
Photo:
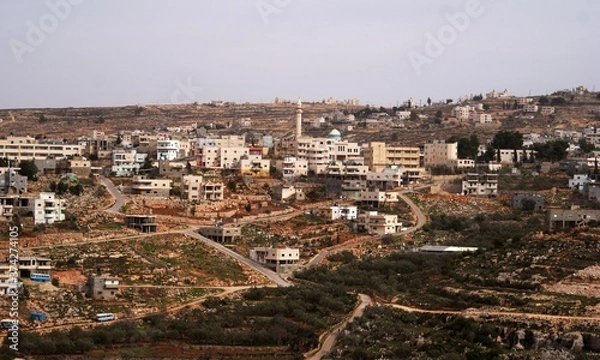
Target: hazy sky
[{"x": 118, "y": 52}]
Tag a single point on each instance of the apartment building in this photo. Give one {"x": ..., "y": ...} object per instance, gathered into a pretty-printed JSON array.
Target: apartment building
[
  {"x": 461, "y": 113},
  {"x": 547, "y": 110},
  {"x": 480, "y": 118},
  {"x": 291, "y": 167},
  {"x": 47, "y": 209},
  {"x": 144, "y": 223},
  {"x": 27, "y": 148},
  {"x": 376, "y": 198},
  {"x": 439, "y": 153},
  {"x": 557, "y": 219},
  {"x": 80, "y": 166},
  {"x": 127, "y": 162},
  {"x": 531, "y": 108},
  {"x": 150, "y": 187},
  {"x": 378, "y": 224},
  {"x": 167, "y": 149},
  {"x": 389, "y": 178},
  {"x": 5, "y": 279},
  {"x": 255, "y": 165},
  {"x": 379, "y": 156},
  {"x": 35, "y": 268},
  {"x": 480, "y": 184}
]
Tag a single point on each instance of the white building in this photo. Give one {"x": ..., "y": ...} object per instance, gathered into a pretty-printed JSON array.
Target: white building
[
  {"x": 167, "y": 149},
  {"x": 47, "y": 209},
  {"x": 255, "y": 165},
  {"x": 291, "y": 167},
  {"x": 578, "y": 182},
  {"x": 531, "y": 108},
  {"x": 27, "y": 148},
  {"x": 338, "y": 212},
  {"x": 127, "y": 162},
  {"x": 379, "y": 224},
  {"x": 150, "y": 187},
  {"x": 378, "y": 198}
]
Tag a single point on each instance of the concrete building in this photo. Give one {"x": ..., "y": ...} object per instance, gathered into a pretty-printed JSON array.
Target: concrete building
[
  {"x": 291, "y": 167},
  {"x": 5, "y": 278},
  {"x": 338, "y": 212},
  {"x": 461, "y": 113},
  {"x": 389, "y": 178},
  {"x": 255, "y": 165},
  {"x": 172, "y": 169},
  {"x": 510, "y": 156},
  {"x": 440, "y": 153},
  {"x": 222, "y": 234},
  {"x": 80, "y": 166},
  {"x": 196, "y": 188},
  {"x": 11, "y": 182},
  {"x": 578, "y": 182},
  {"x": 378, "y": 198},
  {"x": 378, "y": 224},
  {"x": 167, "y": 149},
  {"x": 559, "y": 219},
  {"x": 378, "y": 156},
  {"x": 27, "y": 148},
  {"x": 47, "y": 209},
  {"x": 284, "y": 192},
  {"x": 531, "y": 108},
  {"x": 480, "y": 118},
  {"x": 103, "y": 287},
  {"x": 211, "y": 191},
  {"x": 150, "y": 187},
  {"x": 480, "y": 184},
  {"x": 547, "y": 110},
  {"x": 31, "y": 267},
  {"x": 144, "y": 223},
  {"x": 536, "y": 201},
  {"x": 281, "y": 260},
  {"x": 127, "y": 162}
]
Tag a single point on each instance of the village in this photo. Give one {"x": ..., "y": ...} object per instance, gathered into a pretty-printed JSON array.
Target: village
[{"x": 133, "y": 223}]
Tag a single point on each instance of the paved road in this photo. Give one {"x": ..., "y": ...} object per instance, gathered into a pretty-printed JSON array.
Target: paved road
[
  {"x": 421, "y": 221},
  {"x": 120, "y": 199},
  {"x": 327, "y": 344},
  {"x": 271, "y": 275}
]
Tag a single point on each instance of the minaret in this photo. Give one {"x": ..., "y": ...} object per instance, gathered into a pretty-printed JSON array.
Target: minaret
[{"x": 298, "y": 119}]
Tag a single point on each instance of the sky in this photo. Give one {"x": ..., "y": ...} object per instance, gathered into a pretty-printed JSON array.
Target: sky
[{"x": 72, "y": 53}]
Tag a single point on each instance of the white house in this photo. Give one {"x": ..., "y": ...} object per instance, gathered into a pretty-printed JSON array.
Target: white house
[
  {"x": 47, "y": 209},
  {"x": 379, "y": 224},
  {"x": 337, "y": 212}
]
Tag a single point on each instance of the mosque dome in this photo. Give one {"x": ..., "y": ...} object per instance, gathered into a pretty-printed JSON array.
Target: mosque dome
[{"x": 335, "y": 135}]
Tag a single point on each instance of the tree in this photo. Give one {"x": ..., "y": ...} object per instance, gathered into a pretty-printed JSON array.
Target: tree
[
  {"x": 508, "y": 140},
  {"x": 439, "y": 114},
  {"x": 486, "y": 107},
  {"x": 585, "y": 146},
  {"x": 428, "y": 101},
  {"x": 28, "y": 169},
  {"x": 449, "y": 101},
  {"x": 414, "y": 116},
  {"x": 555, "y": 150},
  {"x": 4, "y": 162},
  {"x": 42, "y": 119},
  {"x": 558, "y": 101},
  {"x": 544, "y": 100}
]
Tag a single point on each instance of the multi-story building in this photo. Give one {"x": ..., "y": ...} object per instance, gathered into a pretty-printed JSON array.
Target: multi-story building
[
  {"x": 379, "y": 156},
  {"x": 481, "y": 118},
  {"x": 377, "y": 198},
  {"x": 47, "y": 209},
  {"x": 150, "y": 187},
  {"x": 461, "y": 113},
  {"x": 144, "y": 223},
  {"x": 279, "y": 259},
  {"x": 80, "y": 166},
  {"x": 223, "y": 234},
  {"x": 35, "y": 268},
  {"x": 440, "y": 153},
  {"x": 196, "y": 188},
  {"x": 480, "y": 184},
  {"x": 127, "y": 162},
  {"x": 565, "y": 219},
  {"x": 337, "y": 212},
  {"x": 167, "y": 149},
  {"x": 509, "y": 156},
  {"x": 103, "y": 287},
  {"x": 378, "y": 224},
  {"x": 27, "y": 148},
  {"x": 11, "y": 182},
  {"x": 389, "y": 178},
  {"x": 531, "y": 108},
  {"x": 547, "y": 110},
  {"x": 291, "y": 167},
  {"x": 5, "y": 278},
  {"x": 255, "y": 165}
]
